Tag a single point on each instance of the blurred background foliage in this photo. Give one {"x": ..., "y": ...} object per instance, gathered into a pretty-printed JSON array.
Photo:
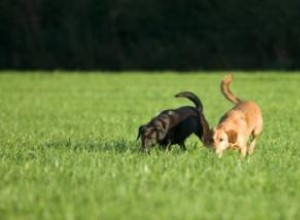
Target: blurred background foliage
[{"x": 150, "y": 34}]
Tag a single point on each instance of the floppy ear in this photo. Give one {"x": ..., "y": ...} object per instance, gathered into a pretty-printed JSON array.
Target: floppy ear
[
  {"x": 141, "y": 129},
  {"x": 161, "y": 133},
  {"x": 232, "y": 136}
]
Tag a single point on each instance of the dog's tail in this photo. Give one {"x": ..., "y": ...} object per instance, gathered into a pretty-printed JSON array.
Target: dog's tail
[
  {"x": 226, "y": 90},
  {"x": 205, "y": 126},
  {"x": 191, "y": 96}
]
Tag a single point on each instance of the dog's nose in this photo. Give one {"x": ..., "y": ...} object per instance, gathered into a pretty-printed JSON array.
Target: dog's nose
[{"x": 219, "y": 152}]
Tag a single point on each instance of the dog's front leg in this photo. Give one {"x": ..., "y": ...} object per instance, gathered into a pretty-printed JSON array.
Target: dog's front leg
[
  {"x": 243, "y": 151},
  {"x": 168, "y": 147},
  {"x": 182, "y": 146}
]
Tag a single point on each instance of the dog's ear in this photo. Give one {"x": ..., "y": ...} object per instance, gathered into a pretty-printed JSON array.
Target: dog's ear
[
  {"x": 141, "y": 129},
  {"x": 232, "y": 136},
  {"x": 161, "y": 133}
]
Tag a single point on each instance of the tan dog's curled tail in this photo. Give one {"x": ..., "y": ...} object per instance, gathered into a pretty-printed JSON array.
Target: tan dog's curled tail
[{"x": 226, "y": 90}]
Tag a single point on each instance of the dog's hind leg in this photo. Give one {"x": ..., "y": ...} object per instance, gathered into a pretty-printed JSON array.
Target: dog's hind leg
[
  {"x": 251, "y": 147},
  {"x": 252, "y": 143},
  {"x": 255, "y": 135}
]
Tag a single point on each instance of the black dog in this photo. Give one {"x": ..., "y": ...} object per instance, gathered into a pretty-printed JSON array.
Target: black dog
[{"x": 173, "y": 126}]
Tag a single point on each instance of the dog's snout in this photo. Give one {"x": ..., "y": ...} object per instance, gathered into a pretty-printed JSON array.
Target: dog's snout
[{"x": 147, "y": 143}]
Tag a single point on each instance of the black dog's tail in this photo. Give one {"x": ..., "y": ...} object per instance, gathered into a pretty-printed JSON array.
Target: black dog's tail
[
  {"x": 191, "y": 96},
  {"x": 205, "y": 126}
]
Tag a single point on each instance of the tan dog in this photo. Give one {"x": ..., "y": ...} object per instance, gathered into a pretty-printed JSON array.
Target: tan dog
[{"x": 239, "y": 126}]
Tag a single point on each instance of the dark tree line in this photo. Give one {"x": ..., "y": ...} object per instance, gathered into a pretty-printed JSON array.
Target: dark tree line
[{"x": 150, "y": 34}]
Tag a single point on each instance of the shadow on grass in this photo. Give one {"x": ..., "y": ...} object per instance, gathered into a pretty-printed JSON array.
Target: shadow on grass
[{"x": 118, "y": 146}]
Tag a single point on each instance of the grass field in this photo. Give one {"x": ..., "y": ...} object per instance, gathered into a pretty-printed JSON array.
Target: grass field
[{"x": 68, "y": 149}]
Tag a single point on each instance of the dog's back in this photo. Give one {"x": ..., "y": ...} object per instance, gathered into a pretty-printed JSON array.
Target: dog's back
[
  {"x": 171, "y": 117},
  {"x": 246, "y": 112}
]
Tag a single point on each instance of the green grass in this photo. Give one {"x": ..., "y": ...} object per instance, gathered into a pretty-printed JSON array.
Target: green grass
[{"x": 68, "y": 150}]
